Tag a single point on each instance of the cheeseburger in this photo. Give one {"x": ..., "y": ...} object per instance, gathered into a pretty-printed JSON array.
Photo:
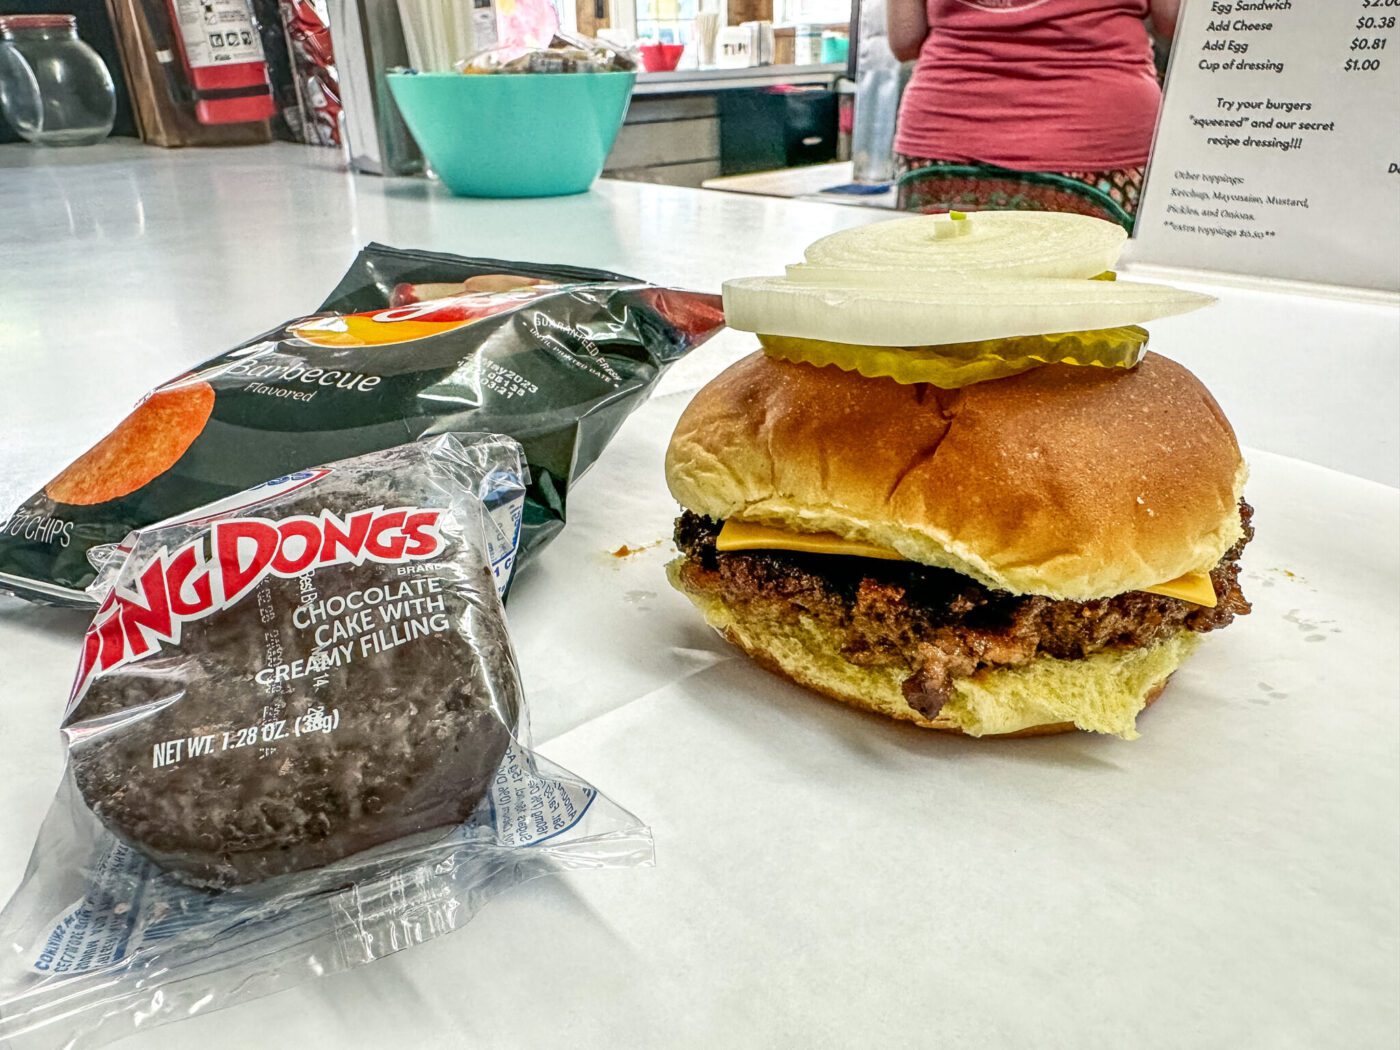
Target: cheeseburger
[{"x": 1024, "y": 554}]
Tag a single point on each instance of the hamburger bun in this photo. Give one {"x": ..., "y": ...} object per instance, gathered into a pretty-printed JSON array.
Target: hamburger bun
[{"x": 1070, "y": 482}]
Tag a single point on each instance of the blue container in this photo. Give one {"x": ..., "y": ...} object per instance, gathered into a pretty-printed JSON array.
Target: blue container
[
  {"x": 514, "y": 134},
  {"x": 836, "y": 47}
]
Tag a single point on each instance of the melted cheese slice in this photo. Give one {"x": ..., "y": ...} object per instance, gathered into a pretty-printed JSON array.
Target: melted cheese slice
[
  {"x": 1194, "y": 587},
  {"x": 745, "y": 536}
]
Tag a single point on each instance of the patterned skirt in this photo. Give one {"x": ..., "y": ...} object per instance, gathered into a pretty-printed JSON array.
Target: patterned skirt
[{"x": 931, "y": 185}]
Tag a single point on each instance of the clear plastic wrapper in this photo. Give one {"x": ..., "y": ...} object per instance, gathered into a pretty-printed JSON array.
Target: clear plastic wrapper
[
  {"x": 565, "y": 53},
  {"x": 296, "y": 743},
  {"x": 306, "y": 24}
]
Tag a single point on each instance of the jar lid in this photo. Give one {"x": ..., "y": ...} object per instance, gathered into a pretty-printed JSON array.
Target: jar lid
[{"x": 9, "y": 23}]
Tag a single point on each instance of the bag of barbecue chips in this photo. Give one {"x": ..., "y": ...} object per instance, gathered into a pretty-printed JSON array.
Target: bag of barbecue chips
[{"x": 410, "y": 344}]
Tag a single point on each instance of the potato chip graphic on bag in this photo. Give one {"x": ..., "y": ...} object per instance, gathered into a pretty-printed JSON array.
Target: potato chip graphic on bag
[{"x": 144, "y": 445}]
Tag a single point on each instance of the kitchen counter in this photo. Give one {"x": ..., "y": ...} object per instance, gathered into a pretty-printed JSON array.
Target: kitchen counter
[
  {"x": 689, "y": 125},
  {"x": 812, "y": 182},
  {"x": 823, "y": 878},
  {"x": 682, "y": 81}
]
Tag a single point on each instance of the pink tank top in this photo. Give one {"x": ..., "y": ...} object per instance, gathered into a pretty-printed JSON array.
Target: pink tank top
[{"x": 1036, "y": 85}]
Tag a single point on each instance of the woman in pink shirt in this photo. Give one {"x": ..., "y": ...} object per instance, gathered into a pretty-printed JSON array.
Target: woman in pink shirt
[{"x": 1065, "y": 88}]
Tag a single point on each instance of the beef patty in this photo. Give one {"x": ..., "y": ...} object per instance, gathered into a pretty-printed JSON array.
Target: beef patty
[{"x": 937, "y": 624}]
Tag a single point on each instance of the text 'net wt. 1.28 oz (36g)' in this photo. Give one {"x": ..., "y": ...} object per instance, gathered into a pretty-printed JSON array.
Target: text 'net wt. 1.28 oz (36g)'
[
  {"x": 409, "y": 344},
  {"x": 296, "y": 742}
]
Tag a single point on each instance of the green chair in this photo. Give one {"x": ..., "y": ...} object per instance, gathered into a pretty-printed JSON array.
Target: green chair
[{"x": 984, "y": 187}]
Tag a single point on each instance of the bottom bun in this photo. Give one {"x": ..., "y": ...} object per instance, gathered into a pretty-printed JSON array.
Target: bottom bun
[{"x": 1102, "y": 693}]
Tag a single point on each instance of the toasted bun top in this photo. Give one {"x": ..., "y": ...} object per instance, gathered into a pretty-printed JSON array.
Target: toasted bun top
[{"x": 1071, "y": 482}]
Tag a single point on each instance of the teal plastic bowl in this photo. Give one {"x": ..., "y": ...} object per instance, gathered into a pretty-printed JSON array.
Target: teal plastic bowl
[{"x": 514, "y": 134}]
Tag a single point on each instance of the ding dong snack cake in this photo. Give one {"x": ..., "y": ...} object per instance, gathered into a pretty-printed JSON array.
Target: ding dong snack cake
[{"x": 294, "y": 744}]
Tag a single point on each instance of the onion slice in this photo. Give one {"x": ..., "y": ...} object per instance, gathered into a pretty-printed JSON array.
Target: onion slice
[
  {"x": 919, "y": 314},
  {"x": 997, "y": 245}
]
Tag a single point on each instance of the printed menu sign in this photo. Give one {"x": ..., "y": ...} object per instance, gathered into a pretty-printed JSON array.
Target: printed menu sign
[{"x": 1278, "y": 146}]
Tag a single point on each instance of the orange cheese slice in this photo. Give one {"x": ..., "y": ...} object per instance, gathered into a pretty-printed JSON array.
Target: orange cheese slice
[
  {"x": 1194, "y": 587},
  {"x": 745, "y": 536}
]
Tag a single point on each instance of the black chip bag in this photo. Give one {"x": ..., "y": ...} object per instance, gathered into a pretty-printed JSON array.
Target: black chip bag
[
  {"x": 410, "y": 343},
  {"x": 296, "y": 742}
]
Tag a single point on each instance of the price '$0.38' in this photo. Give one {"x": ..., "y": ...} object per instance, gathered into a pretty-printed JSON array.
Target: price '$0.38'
[{"x": 1370, "y": 44}]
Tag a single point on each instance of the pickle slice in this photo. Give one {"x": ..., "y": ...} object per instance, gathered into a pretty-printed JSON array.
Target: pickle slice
[
  {"x": 911, "y": 365},
  {"x": 956, "y": 365}
]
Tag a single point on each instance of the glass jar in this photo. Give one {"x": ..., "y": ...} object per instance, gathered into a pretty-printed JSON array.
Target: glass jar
[{"x": 54, "y": 89}]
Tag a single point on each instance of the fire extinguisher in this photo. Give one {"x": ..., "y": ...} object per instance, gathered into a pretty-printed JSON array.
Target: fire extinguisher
[{"x": 220, "y": 58}]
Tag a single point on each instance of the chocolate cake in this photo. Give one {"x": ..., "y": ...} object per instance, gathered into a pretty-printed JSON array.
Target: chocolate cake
[{"x": 319, "y": 713}]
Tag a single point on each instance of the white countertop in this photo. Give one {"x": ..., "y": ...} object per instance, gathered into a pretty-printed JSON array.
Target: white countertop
[
  {"x": 824, "y": 879},
  {"x": 680, "y": 81},
  {"x": 157, "y": 259},
  {"x": 807, "y": 182}
]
